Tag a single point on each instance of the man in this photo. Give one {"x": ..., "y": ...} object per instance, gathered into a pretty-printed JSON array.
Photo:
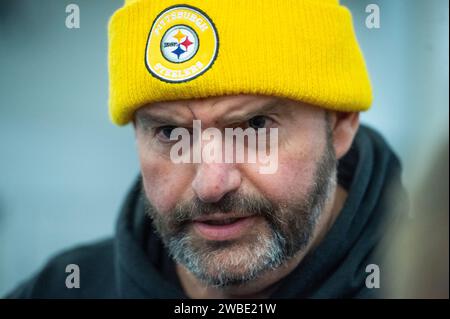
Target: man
[{"x": 199, "y": 222}]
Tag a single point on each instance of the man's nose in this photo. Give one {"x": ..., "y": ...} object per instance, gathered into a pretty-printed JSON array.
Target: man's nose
[{"x": 214, "y": 180}]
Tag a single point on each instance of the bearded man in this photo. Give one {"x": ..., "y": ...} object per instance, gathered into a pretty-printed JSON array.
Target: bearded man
[{"x": 290, "y": 71}]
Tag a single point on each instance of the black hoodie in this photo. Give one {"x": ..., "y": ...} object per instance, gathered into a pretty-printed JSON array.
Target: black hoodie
[{"x": 134, "y": 264}]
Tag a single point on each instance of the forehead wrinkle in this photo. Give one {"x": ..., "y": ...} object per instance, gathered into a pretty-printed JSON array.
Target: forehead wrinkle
[{"x": 178, "y": 112}]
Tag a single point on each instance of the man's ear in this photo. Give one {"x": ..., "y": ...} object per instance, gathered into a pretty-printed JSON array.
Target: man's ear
[{"x": 344, "y": 127}]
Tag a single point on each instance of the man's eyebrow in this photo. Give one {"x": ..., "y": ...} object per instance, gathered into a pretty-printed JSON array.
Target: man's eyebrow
[
  {"x": 242, "y": 115},
  {"x": 148, "y": 120}
]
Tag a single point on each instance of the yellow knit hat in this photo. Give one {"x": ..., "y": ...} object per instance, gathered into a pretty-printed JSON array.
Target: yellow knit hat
[{"x": 305, "y": 50}]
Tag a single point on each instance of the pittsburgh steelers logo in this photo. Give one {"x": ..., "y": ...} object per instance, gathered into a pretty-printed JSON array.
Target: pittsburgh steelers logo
[
  {"x": 179, "y": 44},
  {"x": 182, "y": 44}
]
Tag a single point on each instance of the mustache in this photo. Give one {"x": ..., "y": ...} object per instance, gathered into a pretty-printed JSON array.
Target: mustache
[{"x": 232, "y": 203}]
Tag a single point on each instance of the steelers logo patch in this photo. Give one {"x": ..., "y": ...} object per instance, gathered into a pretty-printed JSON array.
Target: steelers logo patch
[
  {"x": 182, "y": 44},
  {"x": 179, "y": 44}
]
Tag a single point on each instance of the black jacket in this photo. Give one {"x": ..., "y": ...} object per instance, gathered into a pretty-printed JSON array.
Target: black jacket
[{"x": 134, "y": 264}]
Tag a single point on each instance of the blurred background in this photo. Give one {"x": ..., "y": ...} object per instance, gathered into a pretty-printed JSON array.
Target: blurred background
[{"x": 65, "y": 169}]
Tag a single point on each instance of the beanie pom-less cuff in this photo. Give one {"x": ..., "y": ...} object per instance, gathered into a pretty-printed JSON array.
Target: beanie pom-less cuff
[{"x": 304, "y": 50}]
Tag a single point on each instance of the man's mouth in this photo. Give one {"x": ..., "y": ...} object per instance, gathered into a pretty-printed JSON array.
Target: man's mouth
[
  {"x": 226, "y": 221},
  {"x": 223, "y": 226}
]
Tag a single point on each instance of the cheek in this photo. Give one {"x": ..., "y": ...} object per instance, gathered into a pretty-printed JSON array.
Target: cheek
[
  {"x": 295, "y": 175},
  {"x": 293, "y": 179},
  {"x": 165, "y": 183}
]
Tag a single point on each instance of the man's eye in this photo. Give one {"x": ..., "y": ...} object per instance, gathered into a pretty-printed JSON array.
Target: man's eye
[
  {"x": 258, "y": 122},
  {"x": 164, "y": 132}
]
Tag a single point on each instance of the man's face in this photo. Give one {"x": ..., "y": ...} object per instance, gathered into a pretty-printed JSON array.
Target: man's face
[{"x": 226, "y": 222}]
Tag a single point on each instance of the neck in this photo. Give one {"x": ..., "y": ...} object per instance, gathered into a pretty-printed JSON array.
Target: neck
[{"x": 265, "y": 285}]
